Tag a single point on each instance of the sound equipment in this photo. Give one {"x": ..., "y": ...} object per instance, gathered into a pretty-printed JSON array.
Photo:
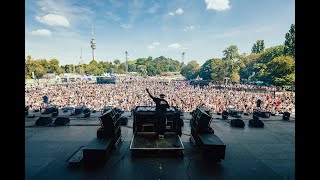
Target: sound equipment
[
  {"x": 124, "y": 120},
  {"x": 97, "y": 152},
  {"x": 234, "y": 112},
  {"x": 286, "y": 116},
  {"x": 61, "y": 121},
  {"x": 79, "y": 110},
  {"x": 200, "y": 122},
  {"x": 255, "y": 115},
  {"x": 145, "y": 120},
  {"x": 43, "y": 121},
  {"x": 50, "y": 109},
  {"x": 237, "y": 123},
  {"x": 211, "y": 145},
  {"x": 106, "y": 108},
  {"x": 86, "y": 110},
  {"x": 87, "y": 115},
  {"x": 55, "y": 114},
  {"x": 256, "y": 123},
  {"x": 111, "y": 124},
  {"x": 261, "y": 113},
  {"x": 225, "y": 114}
]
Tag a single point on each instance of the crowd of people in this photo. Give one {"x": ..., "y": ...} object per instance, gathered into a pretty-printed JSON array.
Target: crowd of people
[{"x": 131, "y": 92}]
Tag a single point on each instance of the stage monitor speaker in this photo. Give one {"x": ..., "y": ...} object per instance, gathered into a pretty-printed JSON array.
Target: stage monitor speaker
[
  {"x": 256, "y": 123},
  {"x": 203, "y": 119},
  {"x": 55, "y": 114},
  {"x": 225, "y": 114},
  {"x": 237, "y": 123},
  {"x": 255, "y": 117},
  {"x": 43, "y": 121},
  {"x": 286, "y": 116},
  {"x": 61, "y": 121},
  {"x": 87, "y": 115}
]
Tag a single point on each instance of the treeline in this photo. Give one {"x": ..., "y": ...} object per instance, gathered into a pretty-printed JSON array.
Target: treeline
[
  {"x": 274, "y": 65},
  {"x": 143, "y": 66}
]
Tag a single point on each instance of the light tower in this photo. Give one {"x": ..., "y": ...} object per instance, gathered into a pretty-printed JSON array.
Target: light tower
[
  {"x": 93, "y": 44},
  {"x": 126, "y": 62}
]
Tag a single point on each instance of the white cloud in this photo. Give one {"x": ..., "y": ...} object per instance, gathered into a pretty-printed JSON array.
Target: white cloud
[
  {"x": 150, "y": 47},
  {"x": 75, "y": 13},
  {"x": 153, "y": 9},
  {"x": 54, "y": 20},
  {"x": 174, "y": 45},
  {"x": 126, "y": 26},
  {"x": 179, "y": 11},
  {"x": 218, "y": 5},
  {"x": 189, "y": 28},
  {"x": 111, "y": 16},
  {"x": 41, "y": 32},
  {"x": 153, "y": 45}
]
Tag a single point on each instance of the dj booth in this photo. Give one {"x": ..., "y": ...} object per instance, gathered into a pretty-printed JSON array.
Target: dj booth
[
  {"x": 145, "y": 120},
  {"x": 145, "y": 139}
]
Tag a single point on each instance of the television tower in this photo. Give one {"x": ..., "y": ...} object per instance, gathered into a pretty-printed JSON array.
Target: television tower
[
  {"x": 182, "y": 57},
  {"x": 93, "y": 44}
]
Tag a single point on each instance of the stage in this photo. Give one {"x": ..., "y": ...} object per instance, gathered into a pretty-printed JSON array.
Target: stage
[{"x": 251, "y": 153}]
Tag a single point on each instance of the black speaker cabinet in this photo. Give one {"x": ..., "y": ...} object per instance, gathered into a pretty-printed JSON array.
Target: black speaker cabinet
[
  {"x": 237, "y": 123},
  {"x": 256, "y": 123},
  {"x": 43, "y": 121},
  {"x": 61, "y": 121},
  {"x": 286, "y": 116}
]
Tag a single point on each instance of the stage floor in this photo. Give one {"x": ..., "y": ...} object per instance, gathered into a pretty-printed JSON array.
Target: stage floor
[{"x": 251, "y": 153}]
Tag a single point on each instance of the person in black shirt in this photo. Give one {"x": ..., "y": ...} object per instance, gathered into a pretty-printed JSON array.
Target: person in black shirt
[{"x": 161, "y": 109}]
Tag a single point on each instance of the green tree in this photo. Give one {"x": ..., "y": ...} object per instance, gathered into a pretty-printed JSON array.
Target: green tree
[
  {"x": 289, "y": 44},
  {"x": 142, "y": 70},
  {"x": 231, "y": 53},
  {"x": 117, "y": 61},
  {"x": 191, "y": 70},
  {"x": 213, "y": 69},
  {"x": 247, "y": 67},
  {"x": 258, "y": 47},
  {"x": 281, "y": 70},
  {"x": 53, "y": 67},
  {"x": 271, "y": 53}
]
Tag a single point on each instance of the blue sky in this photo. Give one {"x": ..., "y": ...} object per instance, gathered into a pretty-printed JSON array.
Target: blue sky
[{"x": 200, "y": 28}]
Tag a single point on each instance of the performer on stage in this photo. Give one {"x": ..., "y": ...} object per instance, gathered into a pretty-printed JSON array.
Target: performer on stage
[{"x": 161, "y": 109}]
